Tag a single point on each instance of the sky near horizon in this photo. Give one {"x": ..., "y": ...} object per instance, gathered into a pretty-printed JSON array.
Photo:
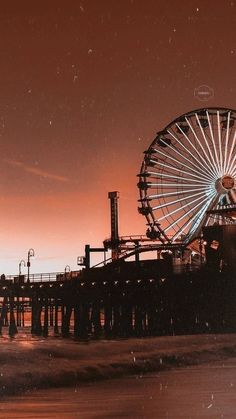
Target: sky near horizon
[{"x": 85, "y": 85}]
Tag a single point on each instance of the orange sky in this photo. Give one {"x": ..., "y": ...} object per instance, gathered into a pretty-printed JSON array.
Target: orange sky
[{"x": 84, "y": 87}]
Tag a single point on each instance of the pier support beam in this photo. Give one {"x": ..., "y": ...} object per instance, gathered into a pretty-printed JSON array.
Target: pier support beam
[
  {"x": 45, "y": 323},
  {"x": 65, "y": 321},
  {"x": 12, "y": 324},
  {"x": 3, "y": 313},
  {"x": 36, "y": 325},
  {"x": 56, "y": 329}
]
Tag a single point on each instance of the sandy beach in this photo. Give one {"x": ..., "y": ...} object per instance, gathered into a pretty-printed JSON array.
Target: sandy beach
[
  {"x": 199, "y": 391},
  {"x": 29, "y": 364}
]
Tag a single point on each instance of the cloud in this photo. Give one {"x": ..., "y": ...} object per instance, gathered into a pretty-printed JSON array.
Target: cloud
[{"x": 36, "y": 171}]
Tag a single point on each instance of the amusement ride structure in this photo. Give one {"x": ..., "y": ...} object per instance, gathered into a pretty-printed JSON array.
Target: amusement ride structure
[
  {"x": 188, "y": 175},
  {"x": 187, "y": 182}
]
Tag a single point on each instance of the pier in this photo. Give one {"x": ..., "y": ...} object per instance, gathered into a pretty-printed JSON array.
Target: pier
[
  {"x": 188, "y": 197},
  {"x": 120, "y": 300}
]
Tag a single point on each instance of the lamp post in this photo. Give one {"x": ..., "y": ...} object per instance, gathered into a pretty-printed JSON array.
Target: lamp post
[
  {"x": 67, "y": 270},
  {"x": 30, "y": 254},
  {"x": 22, "y": 263}
]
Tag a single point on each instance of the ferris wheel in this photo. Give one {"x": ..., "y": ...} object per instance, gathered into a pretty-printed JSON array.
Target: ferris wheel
[{"x": 189, "y": 171}]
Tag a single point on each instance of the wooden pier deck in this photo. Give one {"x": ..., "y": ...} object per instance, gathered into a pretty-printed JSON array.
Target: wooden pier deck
[{"x": 120, "y": 301}]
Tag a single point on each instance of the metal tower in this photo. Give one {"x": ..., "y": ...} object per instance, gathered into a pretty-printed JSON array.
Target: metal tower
[{"x": 113, "y": 196}]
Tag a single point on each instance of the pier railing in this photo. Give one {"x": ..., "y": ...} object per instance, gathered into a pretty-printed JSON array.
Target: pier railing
[{"x": 44, "y": 277}]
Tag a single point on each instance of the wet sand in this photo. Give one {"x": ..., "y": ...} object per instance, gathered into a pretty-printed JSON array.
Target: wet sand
[
  {"x": 206, "y": 391},
  {"x": 29, "y": 363}
]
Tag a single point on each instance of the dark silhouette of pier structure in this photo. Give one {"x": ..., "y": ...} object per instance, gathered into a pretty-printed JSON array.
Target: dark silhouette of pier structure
[{"x": 121, "y": 298}]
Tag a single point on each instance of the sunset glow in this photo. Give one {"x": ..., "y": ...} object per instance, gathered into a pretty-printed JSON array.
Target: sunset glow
[{"x": 84, "y": 89}]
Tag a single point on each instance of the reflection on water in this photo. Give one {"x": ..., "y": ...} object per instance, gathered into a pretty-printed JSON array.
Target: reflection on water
[{"x": 208, "y": 391}]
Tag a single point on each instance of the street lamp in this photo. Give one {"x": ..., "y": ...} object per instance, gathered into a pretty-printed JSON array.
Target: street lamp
[
  {"x": 22, "y": 263},
  {"x": 30, "y": 254}
]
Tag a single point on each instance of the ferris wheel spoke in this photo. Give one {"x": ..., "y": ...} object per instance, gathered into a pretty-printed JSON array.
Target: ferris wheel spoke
[
  {"x": 201, "y": 215},
  {"x": 182, "y": 156},
  {"x": 167, "y": 176},
  {"x": 219, "y": 140},
  {"x": 212, "y": 162},
  {"x": 213, "y": 143},
  {"x": 176, "y": 184},
  {"x": 164, "y": 217},
  {"x": 185, "y": 165},
  {"x": 207, "y": 221},
  {"x": 188, "y": 212},
  {"x": 176, "y": 193},
  {"x": 229, "y": 164},
  {"x": 232, "y": 166},
  {"x": 195, "y": 220},
  {"x": 206, "y": 162},
  {"x": 226, "y": 142},
  {"x": 202, "y": 162},
  {"x": 179, "y": 170},
  {"x": 176, "y": 201},
  {"x": 192, "y": 155}
]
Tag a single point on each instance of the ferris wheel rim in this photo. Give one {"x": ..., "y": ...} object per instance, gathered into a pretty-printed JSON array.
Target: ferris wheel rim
[
  {"x": 211, "y": 108},
  {"x": 223, "y": 167}
]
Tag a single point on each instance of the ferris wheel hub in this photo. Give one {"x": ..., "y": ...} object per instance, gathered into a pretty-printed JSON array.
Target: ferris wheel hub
[{"x": 225, "y": 184}]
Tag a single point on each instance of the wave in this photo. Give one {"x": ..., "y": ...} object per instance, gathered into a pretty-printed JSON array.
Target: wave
[{"x": 28, "y": 364}]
